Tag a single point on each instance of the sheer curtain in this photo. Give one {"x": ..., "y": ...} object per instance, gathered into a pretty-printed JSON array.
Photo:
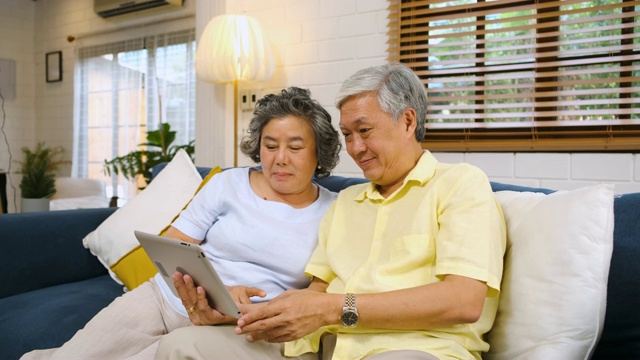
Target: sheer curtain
[{"x": 125, "y": 89}]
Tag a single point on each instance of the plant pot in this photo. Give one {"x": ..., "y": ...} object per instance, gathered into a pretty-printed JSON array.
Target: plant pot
[{"x": 33, "y": 205}]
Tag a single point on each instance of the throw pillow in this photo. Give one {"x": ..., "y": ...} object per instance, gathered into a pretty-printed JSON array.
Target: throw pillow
[
  {"x": 553, "y": 297},
  {"x": 114, "y": 243}
]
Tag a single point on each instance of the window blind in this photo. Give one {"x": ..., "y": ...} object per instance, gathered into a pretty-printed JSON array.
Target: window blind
[{"x": 545, "y": 75}]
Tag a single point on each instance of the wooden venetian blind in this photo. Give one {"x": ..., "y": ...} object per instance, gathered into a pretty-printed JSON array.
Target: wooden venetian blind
[{"x": 545, "y": 75}]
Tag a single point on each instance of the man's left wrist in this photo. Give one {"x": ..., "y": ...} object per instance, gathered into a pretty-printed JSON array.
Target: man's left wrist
[{"x": 350, "y": 316}]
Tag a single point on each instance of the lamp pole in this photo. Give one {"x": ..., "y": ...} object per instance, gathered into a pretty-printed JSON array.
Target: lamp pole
[{"x": 235, "y": 122}]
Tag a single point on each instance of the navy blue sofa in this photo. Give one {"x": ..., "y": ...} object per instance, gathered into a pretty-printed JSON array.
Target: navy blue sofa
[{"x": 52, "y": 285}]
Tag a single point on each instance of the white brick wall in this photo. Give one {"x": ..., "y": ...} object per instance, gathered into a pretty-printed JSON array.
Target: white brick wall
[
  {"x": 317, "y": 44},
  {"x": 327, "y": 41},
  {"x": 43, "y": 111},
  {"x": 558, "y": 171},
  {"x": 17, "y": 22}
]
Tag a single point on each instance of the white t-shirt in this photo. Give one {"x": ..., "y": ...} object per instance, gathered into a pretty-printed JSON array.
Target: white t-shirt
[{"x": 251, "y": 241}]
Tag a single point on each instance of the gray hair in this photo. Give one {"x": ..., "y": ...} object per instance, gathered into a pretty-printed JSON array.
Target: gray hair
[
  {"x": 397, "y": 88},
  {"x": 296, "y": 102}
]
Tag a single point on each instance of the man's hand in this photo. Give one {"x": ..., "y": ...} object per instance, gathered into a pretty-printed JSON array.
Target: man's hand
[
  {"x": 290, "y": 316},
  {"x": 195, "y": 300}
]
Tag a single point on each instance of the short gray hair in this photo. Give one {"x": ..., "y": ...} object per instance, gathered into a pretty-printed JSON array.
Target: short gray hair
[
  {"x": 296, "y": 102},
  {"x": 396, "y": 87}
]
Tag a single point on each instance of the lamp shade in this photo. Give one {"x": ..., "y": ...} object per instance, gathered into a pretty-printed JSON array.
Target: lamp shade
[{"x": 233, "y": 47}]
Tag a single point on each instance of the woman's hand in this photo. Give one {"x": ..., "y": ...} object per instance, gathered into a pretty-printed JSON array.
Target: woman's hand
[
  {"x": 290, "y": 316},
  {"x": 243, "y": 294},
  {"x": 195, "y": 300}
]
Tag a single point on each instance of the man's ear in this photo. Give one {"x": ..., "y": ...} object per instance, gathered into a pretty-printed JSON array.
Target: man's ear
[{"x": 409, "y": 120}]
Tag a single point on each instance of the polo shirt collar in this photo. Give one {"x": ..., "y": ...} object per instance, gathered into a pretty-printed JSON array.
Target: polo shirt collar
[{"x": 421, "y": 173}]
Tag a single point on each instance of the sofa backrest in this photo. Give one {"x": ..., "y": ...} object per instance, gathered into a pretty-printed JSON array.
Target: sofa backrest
[{"x": 621, "y": 333}]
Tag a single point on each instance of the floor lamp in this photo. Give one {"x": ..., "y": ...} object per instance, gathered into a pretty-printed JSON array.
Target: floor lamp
[{"x": 233, "y": 48}]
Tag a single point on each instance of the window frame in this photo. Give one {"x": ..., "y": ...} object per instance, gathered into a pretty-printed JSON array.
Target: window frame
[
  {"x": 545, "y": 133},
  {"x": 150, "y": 110}
]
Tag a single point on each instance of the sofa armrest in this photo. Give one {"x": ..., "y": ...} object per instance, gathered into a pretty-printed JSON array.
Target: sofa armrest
[{"x": 43, "y": 249}]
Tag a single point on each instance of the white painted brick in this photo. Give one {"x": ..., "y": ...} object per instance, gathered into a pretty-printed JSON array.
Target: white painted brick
[
  {"x": 542, "y": 165},
  {"x": 334, "y": 50},
  {"x": 241, "y": 6},
  {"x": 335, "y": 120},
  {"x": 301, "y": 11},
  {"x": 627, "y": 187},
  {"x": 372, "y": 45},
  {"x": 325, "y": 95},
  {"x": 450, "y": 158},
  {"x": 299, "y": 54},
  {"x": 323, "y": 29},
  {"x": 348, "y": 68},
  {"x": 606, "y": 167},
  {"x": 293, "y": 74},
  {"x": 335, "y": 8},
  {"x": 284, "y": 34},
  {"x": 519, "y": 182},
  {"x": 566, "y": 184},
  {"x": 320, "y": 74},
  {"x": 283, "y": 77},
  {"x": 360, "y": 24},
  {"x": 493, "y": 164},
  {"x": 300, "y": 31},
  {"x": 382, "y": 22},
  {"x": 371, "y": 5}
]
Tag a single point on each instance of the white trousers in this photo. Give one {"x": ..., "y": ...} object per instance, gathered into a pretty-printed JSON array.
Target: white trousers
[
  {"x": 129, "y": 328},
  {"x": 218, "y": 343},
  {"x": 221, "y": 343}
]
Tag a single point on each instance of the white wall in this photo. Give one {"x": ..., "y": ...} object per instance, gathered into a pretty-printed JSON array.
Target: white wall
[
  {"x": 318, "y": 43},
  {"x": 43, "y": 111},
  {"x": 18, "y": 120}
]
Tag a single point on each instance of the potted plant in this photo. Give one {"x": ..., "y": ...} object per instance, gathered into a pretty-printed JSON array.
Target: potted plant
[
  {"x": 38, "y": 178},
  {"x": 157, "y": 149}
]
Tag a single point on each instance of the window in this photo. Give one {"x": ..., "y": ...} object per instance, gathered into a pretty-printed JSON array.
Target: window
[
  {"x": 125, "y": 89},
  {"x": 534, "y": 75}
]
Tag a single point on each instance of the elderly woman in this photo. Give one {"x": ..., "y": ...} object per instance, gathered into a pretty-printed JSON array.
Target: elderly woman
[{"x": 258, "y": 226}]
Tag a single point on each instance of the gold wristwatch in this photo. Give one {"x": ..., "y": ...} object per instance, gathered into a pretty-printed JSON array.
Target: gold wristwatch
[{"x": 349, "y": 315}]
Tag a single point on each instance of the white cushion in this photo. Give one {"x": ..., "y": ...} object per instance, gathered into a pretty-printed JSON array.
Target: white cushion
[
  {"x": 553, "y": 297},
  {"x": 150, "y": 211}
]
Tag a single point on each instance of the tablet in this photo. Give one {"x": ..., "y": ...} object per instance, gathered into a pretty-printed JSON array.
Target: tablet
[{"x": 171, "y": 255}]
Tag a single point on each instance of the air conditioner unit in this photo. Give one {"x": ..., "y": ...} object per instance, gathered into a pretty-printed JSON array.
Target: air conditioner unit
[{"x": 111, "y": 8}]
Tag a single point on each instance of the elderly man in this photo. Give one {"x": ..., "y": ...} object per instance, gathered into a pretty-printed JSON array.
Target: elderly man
[{"x": 408, "y": 266}]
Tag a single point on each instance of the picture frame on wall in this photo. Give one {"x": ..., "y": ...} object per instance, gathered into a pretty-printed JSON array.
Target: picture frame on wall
[{"x": 54, "y": 66}]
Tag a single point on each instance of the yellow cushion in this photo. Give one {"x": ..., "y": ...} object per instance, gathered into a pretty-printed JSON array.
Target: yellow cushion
[{"x": 136, "y": 267}]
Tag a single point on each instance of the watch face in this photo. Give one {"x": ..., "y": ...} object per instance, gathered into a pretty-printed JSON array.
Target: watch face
[{"x": 349, "y": 318}]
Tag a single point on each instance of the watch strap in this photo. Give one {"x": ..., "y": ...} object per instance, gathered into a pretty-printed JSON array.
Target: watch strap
[{"x": 350, "y": 300}]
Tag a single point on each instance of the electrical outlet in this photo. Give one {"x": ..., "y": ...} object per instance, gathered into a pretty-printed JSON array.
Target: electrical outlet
[
  {"x": 253, "y": 99},
  {"x": 245, "y": 100}
]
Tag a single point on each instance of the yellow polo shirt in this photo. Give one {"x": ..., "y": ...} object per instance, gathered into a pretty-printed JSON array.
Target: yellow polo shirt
[{"x": 443, "y": 220}]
